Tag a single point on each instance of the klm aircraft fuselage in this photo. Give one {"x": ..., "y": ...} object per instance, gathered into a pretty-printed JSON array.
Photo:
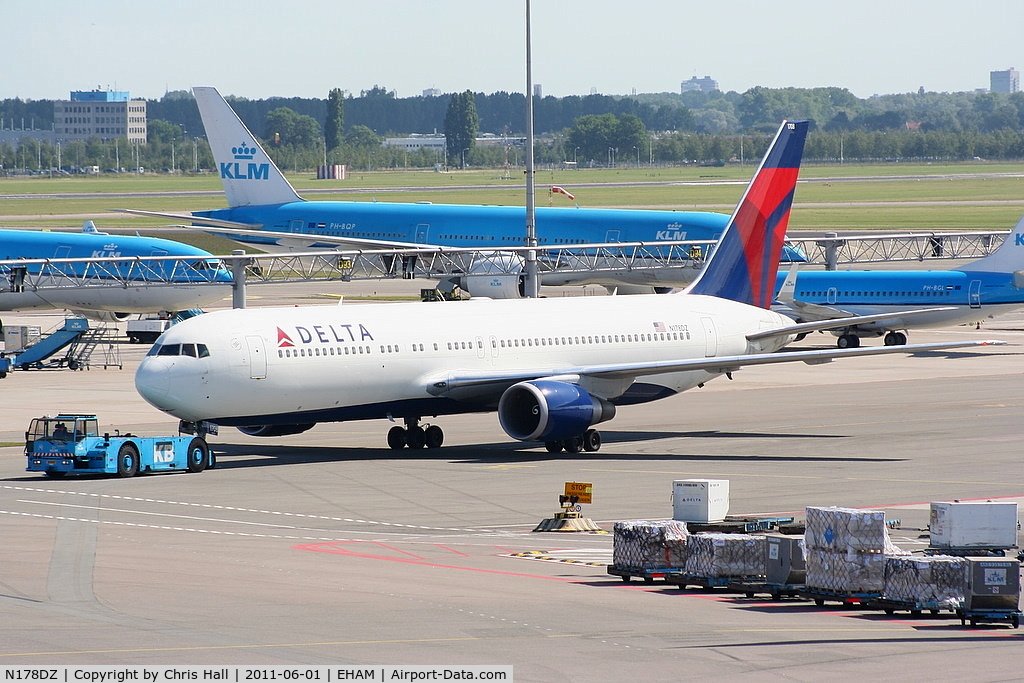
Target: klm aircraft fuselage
[{"x": 481, "y": 226}]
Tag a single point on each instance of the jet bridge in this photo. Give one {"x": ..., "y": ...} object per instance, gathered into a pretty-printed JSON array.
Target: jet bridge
[{"x": 632, "y": 262}]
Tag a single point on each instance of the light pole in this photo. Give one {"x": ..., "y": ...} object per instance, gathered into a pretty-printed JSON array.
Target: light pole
[
  {"x": 574, "y": 154},
  {"x": 637, "y": 156},
  {"x": 464, "y": 158}
]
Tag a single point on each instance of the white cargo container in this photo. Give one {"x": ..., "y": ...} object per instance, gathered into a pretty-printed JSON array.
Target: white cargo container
[
  {"x": 19, "y": 337},
  {"x": 985, "y": 524},
  {"x": 700, "y": 500}
]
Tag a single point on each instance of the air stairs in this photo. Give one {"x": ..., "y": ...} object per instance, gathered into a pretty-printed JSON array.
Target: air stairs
[
  {"x": 81, "y": 352},
  {"x": 77, "y": 340}
]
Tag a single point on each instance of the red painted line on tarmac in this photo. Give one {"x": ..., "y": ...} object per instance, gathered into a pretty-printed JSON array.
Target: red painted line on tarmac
[
  {"x": 451, "y": 550},
  {"x": 394, "y": 549}
]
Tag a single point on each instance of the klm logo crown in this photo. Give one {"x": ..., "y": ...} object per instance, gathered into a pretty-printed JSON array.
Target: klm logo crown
[
  {"x": 244, "y": 151},
  {"x": 233, "y": 170}
]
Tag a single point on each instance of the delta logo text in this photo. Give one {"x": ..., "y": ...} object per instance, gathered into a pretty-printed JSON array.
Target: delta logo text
[
  {"x": 338, "y": 333},
  {"x": 237, "y": 170}
]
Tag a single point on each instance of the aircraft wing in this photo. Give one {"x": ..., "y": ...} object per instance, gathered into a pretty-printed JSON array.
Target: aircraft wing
[
  {"x": 477, "y": 383},
  {"x": 836, "y": 322}
]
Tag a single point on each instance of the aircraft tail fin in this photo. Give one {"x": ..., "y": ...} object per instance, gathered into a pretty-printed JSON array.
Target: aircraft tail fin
[
  {"x": 1007, "y": 258},
  {"x": 249, "y": 176},
  {"x": 746, "y": 259}
]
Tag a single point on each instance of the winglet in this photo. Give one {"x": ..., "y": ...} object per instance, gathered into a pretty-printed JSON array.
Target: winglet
[
  {"x": 248, "y": 174},
  {"x": 787, "y": 292},
  {"x": 746, "y": 259}
]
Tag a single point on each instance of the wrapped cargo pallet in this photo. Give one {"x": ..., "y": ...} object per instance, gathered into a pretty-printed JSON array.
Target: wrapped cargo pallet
[
  {"x": 725, "y": 555},
  {"x": 646, "y": 544},
  {"x": 836, "y": 528},
  {"x": 935, "y": 580},
  {"x": 845, "y": 572}
]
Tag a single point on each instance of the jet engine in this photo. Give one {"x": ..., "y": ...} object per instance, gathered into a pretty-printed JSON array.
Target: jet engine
[
  {"x": 275, "y": 430},
  {"x": 549, "y": 410},
  {"x": 104, "y": 316},
  {"x": 495, "y": 275}
]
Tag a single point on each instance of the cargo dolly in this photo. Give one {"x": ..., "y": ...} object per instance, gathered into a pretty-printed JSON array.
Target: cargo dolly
[
  {"x": 648, "y": 575},
  {"x": 988, "y": 616},
  {"x": 735, "y": 524},
  {"x": 891, "y": 605},
  {"x": 820, "y": 595},
  {"x": 684, "y": 580},
  {"x": 777, "y": 591}
]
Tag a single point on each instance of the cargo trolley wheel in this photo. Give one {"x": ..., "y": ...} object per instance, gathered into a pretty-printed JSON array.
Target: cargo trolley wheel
[
  {"x": 198, "y": 454},
  {"x": 127, "y": 460}
]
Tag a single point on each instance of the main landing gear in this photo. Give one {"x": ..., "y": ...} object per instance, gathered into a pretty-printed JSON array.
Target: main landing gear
[
  {"x": 414, "y": 436},
  {"x": 895, "y": 339},
  {"x": 849, "y": 340},
  {"x": 589, "y": 441}
]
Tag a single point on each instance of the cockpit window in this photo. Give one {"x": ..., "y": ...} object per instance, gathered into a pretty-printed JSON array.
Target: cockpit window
[{"x": 192, "y": 350}]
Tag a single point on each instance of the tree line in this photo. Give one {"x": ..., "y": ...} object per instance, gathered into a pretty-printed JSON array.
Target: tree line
[{"x": 660, "y": 128}]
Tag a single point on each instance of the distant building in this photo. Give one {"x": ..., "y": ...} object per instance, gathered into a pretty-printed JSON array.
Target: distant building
[
  {"x": 706, "y": 84},
  {"x": 538, "y": 90},
  {"x": 417, "y": 141},
  {"x": 106, "y": 114},
  {"x": 431, "y": 92},
  {"x": 1004, "y": 81}
]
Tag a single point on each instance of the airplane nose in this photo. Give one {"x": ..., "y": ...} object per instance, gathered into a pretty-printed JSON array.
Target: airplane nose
[{"x": 153, "y": 382}]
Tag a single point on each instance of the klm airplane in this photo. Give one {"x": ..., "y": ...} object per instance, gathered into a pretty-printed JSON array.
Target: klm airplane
[
  {"x": 265, "y": 210},
  {"x": 28, "y": 281},
  {"x": 985, "y": 288}
]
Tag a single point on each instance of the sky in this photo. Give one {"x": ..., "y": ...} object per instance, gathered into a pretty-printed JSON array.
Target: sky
[{"x": 304, "y": 48}]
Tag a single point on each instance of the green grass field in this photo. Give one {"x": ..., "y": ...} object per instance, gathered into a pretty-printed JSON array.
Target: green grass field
[{"x": 941, "y": 199}]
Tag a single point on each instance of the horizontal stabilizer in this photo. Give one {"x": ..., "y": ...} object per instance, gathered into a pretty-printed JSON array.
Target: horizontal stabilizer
[{"x": 196, "y": 220}]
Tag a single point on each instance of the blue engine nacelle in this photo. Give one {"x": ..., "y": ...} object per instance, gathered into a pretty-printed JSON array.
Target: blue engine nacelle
[{"x": 548, "y": 410}]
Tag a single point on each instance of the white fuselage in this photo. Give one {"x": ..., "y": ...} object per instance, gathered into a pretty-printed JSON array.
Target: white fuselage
[
  {"x": 56, "y": 292},
  {"x": 312, "y": 364}
]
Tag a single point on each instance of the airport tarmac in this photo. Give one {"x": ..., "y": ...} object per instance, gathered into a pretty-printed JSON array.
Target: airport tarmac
[{"x": 329, "y": 548}]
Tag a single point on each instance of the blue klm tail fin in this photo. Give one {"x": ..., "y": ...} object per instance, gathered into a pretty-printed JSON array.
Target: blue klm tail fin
[{"x": 746, "y": 260}]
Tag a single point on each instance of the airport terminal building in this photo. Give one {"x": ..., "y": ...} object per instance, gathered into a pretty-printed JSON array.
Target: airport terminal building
[{"x": 106, "y": 114}]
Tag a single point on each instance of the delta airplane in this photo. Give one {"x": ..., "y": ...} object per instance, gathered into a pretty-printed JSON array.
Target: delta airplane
[
  {"x": 265, "y": 210},
  {"x": 551, "y": 368},
  {"x": 24, "y": 254},
  {"x": 990, "y": 286}
]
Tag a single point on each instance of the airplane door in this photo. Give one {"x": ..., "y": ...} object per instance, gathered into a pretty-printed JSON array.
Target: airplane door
[
  {"x": 257, "y": 357},
  {"x": 296, "y": 225},
  {"x": 422, "y": 230},
  {"x": 830, "y": 297},
  {"x": 613, "y": 236},
  {"x": 710, "y": 337},
  {"x": 974, "y": 294}
]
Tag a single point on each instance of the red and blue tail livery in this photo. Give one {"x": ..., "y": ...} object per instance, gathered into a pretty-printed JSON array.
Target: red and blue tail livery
[{"x": 746, "y": 259}]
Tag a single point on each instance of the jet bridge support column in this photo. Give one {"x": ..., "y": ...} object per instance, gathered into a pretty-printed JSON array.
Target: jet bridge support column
[
  {"x": 832, "y": 250},
  {"x": 238, "y": 278}
]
